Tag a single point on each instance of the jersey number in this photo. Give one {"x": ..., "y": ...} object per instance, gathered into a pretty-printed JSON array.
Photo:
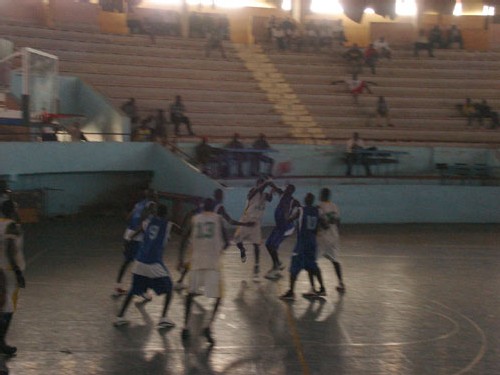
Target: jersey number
[
  {"x": 311, "y": 222},
  {"x": 205, "y": 230}
]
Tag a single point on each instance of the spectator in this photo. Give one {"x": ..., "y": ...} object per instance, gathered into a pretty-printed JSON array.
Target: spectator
[
  {"x": 356, "y": 86},
  {"x": 383, "y": 111},
  {"x": 454, "y": 36},
  {"x": 422, "y": 42},
  {"x": 338, "y": 32},
  {"x": 371, "y": 57},
  {"x": 203, "y": 154},
  {"x": 312, "y": 37},
  {"x": 261, "y": 144},
  {"x": 382, "y": 47},
  {"x": 235, "y": 157},
  {"x": 354, "y": 154},
  {"x": 468, "y": 109},
  {"x": 178, "y": 117},
  {"x": 288, "y": 28},
  {"x": 483, "y": 110},
  {"x": 436, "y": 37},
  {"x": 76, "y": 133},
  {"x": 160, "y": 130},
  {"x": 355, "y": 58},
  {"x": 144, "y": 133},
  {"x": 215, "y": 37},
  {"x": 271, "y": 24},
  {"x": 279, "y": 37},
  {"x": 130, "y": 109}
]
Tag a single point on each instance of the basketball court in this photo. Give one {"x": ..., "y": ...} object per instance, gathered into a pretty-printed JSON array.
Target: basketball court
[{"x": 421, "y": 299}]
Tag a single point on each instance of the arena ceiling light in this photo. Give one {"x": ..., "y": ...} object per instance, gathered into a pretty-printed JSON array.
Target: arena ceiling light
[
  {"x": 406, "y": 7},
  {"x": 330, "y": 7}
]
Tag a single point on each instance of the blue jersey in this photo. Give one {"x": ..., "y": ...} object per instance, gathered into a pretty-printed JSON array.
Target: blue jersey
[
  {"x": 283, "y": 210},
  {"x": 307, "y": 226},
  {"x": 136, "y": 216},
  {"x": 155, "y": 239}
]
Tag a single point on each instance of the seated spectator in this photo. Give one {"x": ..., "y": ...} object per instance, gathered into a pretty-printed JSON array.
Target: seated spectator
[
  {"x": 288, "y": 28},
  {"x": 143, "y": 133},
  {"x": 160, "y": 130},
  {"x": 297, "y": 40},
  {"x": 468, "y": 109},
  {"x": 371, "y": 57},
  {"x": 383, "y": 112},
  {"x": 483, "y": 110},
  {"x": 235, "y": 157},
  {"x": 325, "y": 36},
  {"x": 338, "y": 32},
  {"x": 312, "y": 37},
  {"x": 130, "y": 109},
  {"x": 356, "y": 86},
  {"x": 261, "y": 144},
  {"x": 204, "y": 154},
  {"x": 76, "y": 133},
  {"x": 436, "y": 37},
  {"x": 353, "y": 154},
  {"x": 454, "y": 36},
  {"x": 178, "y": 117},
  {"x": 422, "y": 42},
  {"x": 382, "y": 47},
  {"x": 355, "y": 58},
  {"x": 279, "y": 37},
  {"x": 271, "y": 24},
  {"x": 215, "y": 36}
]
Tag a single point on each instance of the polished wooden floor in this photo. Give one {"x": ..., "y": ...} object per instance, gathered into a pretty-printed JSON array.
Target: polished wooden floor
[{"x": 421, "y": 299}]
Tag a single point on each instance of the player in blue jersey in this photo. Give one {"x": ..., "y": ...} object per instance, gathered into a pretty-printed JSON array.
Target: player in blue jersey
[
  {"x": 132, "y": 237},
  {"x": 304, "y": 253},
  {"x": 149, "y": 270},
  {"x": 282, "y": 229}
]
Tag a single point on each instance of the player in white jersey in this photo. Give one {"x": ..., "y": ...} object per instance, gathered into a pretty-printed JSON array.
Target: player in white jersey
[
  {"x": 255, "y": 208},
  {"x": 328, "y": 238},
  {"x": 208, "y": 240},
  {"x": 12, "y": 265}
]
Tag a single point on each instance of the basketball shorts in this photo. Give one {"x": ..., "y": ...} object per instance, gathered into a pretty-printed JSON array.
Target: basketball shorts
[
  {"x": 249, "y": 234},
  {"x": 160, "y": 285},
  {"x": 329, "y": 243},
  {"x": 206, "y": 282},
  {"x": 303, "y": 260}
]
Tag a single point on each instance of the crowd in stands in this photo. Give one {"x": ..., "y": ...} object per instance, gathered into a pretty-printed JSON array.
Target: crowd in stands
[
  {"x": 233, "y": 157},
  {"x": 287, "y": 34},
  {"x": 478, "y": 112}
]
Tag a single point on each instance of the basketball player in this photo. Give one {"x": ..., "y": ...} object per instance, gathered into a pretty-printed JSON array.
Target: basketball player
[
  {"x": 12, "y": 266},
  {"x": 133, "y": 236},
  {"x": 149, "y": 270},
  {"x": 208, "y": 240},
  {"x": 220, "y": 210},
  {"x": 304, "y": 253},
  {"x": 256, "y": 205},
  {"x": 328, "y": 238},
  {"x": 282, "y": 229}
]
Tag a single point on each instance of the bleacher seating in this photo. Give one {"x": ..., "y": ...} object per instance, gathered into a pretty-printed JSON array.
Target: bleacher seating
[
  {"x": 422, "y": 93},
  {"x": 223, "y": 97}
]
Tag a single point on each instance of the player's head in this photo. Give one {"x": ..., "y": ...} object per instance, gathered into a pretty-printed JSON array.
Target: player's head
[
  {"x": 9, "y": 209},
  {"x": 151, "y": 208},
  {"x": 218, "y": 195},
  {"x": 309, "y": 199},
  {"x": 324, "y": 195},
  {"x": 260, "y": 180},
  {"x": 208, "y": 205},
  {"x": 161, "y": 210},
  {"x": 290, "y": 189}
]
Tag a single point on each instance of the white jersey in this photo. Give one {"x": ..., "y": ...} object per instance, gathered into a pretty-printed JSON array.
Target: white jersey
[
  {"x": 329, "y": 211},
  {"x": 207, "y": 241},
  {"x": 18, "y": 239},
  {"x": 255, "y": 208}
]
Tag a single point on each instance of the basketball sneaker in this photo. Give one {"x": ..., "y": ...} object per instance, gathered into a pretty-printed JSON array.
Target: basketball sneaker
[
  {"x": 288, "y": 296},
  {"x": 165, "y": 323},
  {"x": 119, "y": 291},
  {"x": 120, "y": 321},
  {"x": 273, "y": 274},
  {"x": 322, "y": 292},
  {"x": 243, "y": 255},
  {"x": 341, "y": 288},
  {"x": 208, "y": 335}
]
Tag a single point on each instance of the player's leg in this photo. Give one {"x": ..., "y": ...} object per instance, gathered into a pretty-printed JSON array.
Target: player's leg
[
  {"x": 207, "y": 332},
  {"x": 256, "y": 252},
  {"x": 243, "y": 252},
  {"x": 129, "y": 251},
  {"x": 165, "y": 286},
  {"x": 319, "y": 276},
  {"x": 187, "y": 313},
  {"x": 338, "y": 272},
  {"x": 120, "y": 318}
]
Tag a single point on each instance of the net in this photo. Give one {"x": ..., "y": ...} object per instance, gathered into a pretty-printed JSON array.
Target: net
[{"x": 40, "y": 80}]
